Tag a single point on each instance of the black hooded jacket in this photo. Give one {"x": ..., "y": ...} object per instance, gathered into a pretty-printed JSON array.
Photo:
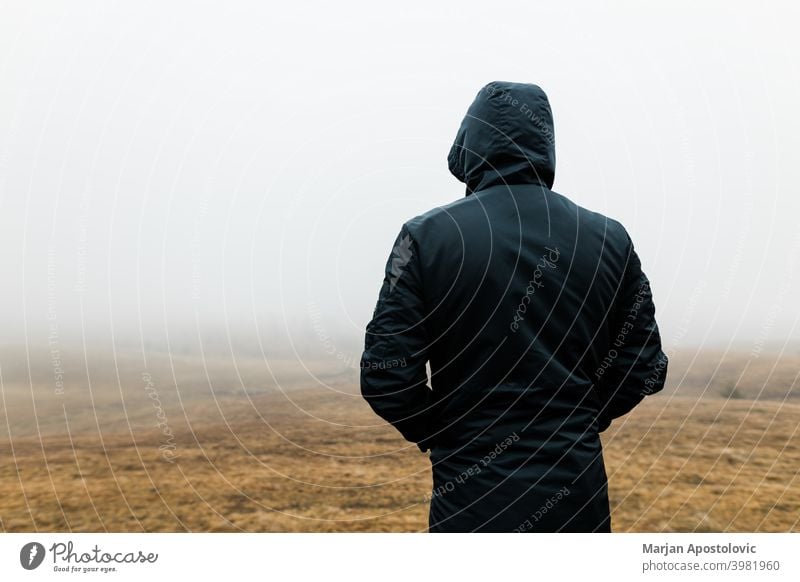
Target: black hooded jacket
[{"x": 537, "y": 322}]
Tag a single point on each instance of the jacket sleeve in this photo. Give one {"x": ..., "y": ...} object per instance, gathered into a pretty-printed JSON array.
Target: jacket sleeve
[
  {"x": 638, "y": 365},
  {"x": 393, "y": 367}
]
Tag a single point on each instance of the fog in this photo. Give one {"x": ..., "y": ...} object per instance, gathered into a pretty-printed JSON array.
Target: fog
[{"x": 185, "y": 173}]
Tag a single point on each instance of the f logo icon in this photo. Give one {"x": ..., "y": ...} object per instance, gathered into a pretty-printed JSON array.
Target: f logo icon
[{"x": 31, "y": 555}]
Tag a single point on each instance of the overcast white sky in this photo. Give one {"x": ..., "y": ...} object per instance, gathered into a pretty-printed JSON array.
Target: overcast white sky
[{"x": 232, "y": 162}]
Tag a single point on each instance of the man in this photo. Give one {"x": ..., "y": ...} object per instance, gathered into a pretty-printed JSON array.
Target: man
[{"x": 538, "y": 324}]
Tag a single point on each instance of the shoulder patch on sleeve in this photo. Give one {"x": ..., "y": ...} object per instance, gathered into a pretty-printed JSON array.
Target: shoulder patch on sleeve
[{"x": 401, "y": 255}]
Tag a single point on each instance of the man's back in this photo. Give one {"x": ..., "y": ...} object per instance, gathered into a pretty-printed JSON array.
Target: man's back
[{"x": 538, "y": 324}]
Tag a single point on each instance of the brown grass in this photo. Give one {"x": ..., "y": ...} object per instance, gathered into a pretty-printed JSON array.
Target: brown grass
[{"x": 276, "y": 457}]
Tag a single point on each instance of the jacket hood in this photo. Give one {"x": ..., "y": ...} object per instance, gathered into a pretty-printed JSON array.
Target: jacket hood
[{"x": 506, "y": 138}]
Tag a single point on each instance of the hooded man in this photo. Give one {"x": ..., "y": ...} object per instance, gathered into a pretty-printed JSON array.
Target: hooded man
[{"x": 537, "y": 322}]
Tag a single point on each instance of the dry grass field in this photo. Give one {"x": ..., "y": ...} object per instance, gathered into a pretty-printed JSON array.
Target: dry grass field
[{"x": 203, "y": 444}]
